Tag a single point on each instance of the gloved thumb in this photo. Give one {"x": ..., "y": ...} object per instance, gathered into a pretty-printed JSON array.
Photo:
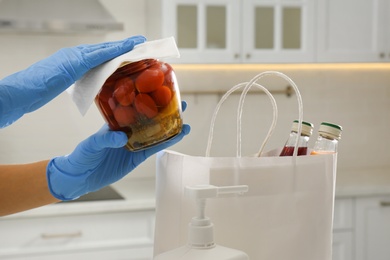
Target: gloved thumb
[{"x": 109, "y": 139}]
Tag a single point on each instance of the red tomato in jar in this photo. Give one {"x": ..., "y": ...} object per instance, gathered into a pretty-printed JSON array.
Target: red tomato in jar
[
  {"x": 124, "y": 91},
  {"x": 157, "y": 66},
  {"x": 112, "y": 103},
  {"x": 168, "y": 79},
  {"x": 145, "y": 105},
  {"x": 166, "y": 68},
  {"x": 162, "y": 96},
  {"x": 125, "y": 115},
  {"x": 149, "y": 80}
]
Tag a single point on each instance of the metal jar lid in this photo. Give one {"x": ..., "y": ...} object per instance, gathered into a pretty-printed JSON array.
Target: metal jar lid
[
  {"x": 307, "y": 128},
  {"x": 330, "y": 130}
]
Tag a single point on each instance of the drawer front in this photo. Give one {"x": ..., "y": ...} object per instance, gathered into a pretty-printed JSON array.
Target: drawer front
[
  {"x": 342, "y": 246},
  {"x": 76, "y": 232},
  {"x": 343, "y": 214},
  {"x": 95, "y": 254}
]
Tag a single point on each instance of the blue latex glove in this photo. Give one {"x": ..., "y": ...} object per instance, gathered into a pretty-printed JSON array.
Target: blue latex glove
[
  {"x": 97, "y": 162},
  {"x": 29, "y": 89}
]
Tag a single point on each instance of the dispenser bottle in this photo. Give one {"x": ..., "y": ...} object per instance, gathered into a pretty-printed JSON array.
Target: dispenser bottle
[
  {"x": 201, "y": 244},
  {"x": 328, "y": 139},
  {"x": 303, "y": 139}
]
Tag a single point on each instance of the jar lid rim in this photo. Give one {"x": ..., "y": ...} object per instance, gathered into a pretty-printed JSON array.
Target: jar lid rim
[
  {"x": 304, "y": 122},
  {"x": 332, "y": 125},
  {"x": 307, "y": 128}
]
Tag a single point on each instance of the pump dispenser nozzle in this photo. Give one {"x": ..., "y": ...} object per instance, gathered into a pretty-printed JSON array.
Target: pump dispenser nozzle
[
  {"x": 201, "y": 243},
  {"x": 201, "y": 230}
]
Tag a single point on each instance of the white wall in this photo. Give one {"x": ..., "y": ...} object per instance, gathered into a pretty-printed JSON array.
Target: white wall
[{"x": 357, "y": 99}]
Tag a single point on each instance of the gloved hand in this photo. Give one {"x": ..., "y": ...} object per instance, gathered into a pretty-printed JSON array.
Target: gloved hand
[
  {"x": 97, "y": 162},
  {"x": 29, "y": 89}
]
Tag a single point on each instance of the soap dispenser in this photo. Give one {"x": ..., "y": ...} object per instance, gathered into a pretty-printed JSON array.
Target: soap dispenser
[{"x": 201, "y": 245}]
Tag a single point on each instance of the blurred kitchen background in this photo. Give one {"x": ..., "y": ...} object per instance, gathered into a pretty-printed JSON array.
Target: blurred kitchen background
[{"x": 336, "y": 51}]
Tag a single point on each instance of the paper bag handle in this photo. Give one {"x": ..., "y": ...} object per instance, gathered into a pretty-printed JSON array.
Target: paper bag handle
[
  {"x": 223, "y": 99},
  {"x": 241, "y": 104}
]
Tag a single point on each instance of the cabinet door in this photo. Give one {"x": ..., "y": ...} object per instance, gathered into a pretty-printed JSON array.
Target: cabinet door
[
  {"x": 206, "y": 31},
  {"x": 351, "y": 30},
  {"x": 95, "y": 254},
  {"x": 278, "y": 31},
  {"x": 342, "y": 245},
  {"x": 373, "y": 228},
  {"x": 384, "y": 53},
  {"x": 78, "y": 234}
]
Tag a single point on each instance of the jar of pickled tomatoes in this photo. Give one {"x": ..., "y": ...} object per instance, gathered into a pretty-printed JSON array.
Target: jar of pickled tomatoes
[{"x": 142, "y": 99}]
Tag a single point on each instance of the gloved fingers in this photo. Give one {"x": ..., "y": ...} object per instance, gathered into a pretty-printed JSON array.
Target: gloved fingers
[
  {"x": 134, "y": 40},
  {"x": 183, "y": 106},
  {"x": 97, "y": 54},
  {"x": 105, "y": 138},
  {"x": 74, "y": 62},
  {"x": 185, "y": 131},
  {"x": 152, "y": 150}
]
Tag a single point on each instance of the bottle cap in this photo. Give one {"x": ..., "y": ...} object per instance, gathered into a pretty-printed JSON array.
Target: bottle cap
[
  {"x": 307, "y": 128},
  {"x": 330, "y": 130}
]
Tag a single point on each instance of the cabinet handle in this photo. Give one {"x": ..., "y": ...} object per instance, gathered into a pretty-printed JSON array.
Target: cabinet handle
[
  {"x": 248, "y": 55},
  {"x": 61, "y": 235},
  {"x": 382, "y": 55},
  {"x": 236, "y": 56},
  {"x": 385, "y": 203}
]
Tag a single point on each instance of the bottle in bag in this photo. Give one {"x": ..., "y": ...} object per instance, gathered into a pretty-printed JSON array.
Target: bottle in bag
[
  {"x": 303, "y": 139},
  {"x": 328, "y": 139}
]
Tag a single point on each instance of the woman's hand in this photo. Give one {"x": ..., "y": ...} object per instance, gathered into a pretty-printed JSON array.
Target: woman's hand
[
  {"x": 29, "y": 89},
  {"x": 97, "y": 162}
]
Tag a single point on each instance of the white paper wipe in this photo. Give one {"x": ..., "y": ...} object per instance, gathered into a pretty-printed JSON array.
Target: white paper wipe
[{"x": 84, "y": 90}]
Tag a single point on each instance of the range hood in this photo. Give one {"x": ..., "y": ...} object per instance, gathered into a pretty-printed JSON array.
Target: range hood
[{"x": 56, "y": 16}]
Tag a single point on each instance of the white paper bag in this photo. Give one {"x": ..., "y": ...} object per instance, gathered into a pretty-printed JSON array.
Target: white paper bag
[{"x": 286, "y": 215}]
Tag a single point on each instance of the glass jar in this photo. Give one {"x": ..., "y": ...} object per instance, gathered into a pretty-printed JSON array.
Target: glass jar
[{"x": 142, "y": 99}]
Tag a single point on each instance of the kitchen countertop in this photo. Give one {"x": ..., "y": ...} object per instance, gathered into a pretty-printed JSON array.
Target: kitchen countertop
[{"x": 139, "y": 194}]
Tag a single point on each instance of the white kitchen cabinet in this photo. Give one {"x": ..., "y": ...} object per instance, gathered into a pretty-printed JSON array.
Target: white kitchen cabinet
[
  {"x": 277, "y": 31},
  {"x": 343, "y": 229},
  {"x": 342, "y": 245},
  {"x": 232, "y": 31},
  {"x": 206, "y": 31},
  {"x": 373, "y": 228},
  {"x": 385, "y": 38},
  {"x": 95, "y": 254},
  {"x": 110, "y": 235},
  {"x": 353, "y": 31}
]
